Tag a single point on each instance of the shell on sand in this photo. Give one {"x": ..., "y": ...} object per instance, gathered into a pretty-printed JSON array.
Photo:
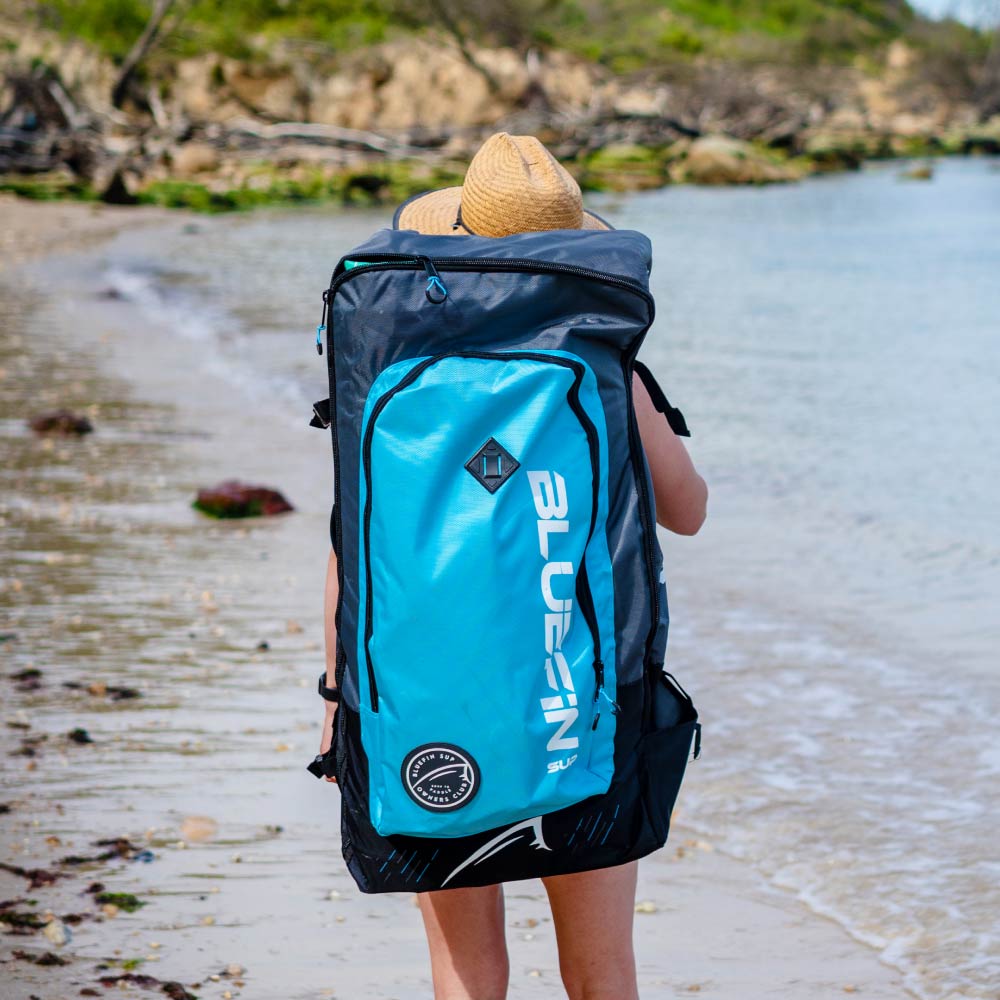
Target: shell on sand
[{"x": 196, "y": 829}]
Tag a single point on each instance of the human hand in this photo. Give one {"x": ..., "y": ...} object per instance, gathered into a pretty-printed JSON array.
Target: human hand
[{"x": 326, "y": 737}]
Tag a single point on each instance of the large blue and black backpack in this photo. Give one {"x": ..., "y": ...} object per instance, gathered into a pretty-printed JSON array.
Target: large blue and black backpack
[{"x": 502, "y": 620}]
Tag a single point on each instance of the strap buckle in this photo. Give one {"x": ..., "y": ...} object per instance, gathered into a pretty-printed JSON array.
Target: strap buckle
[{"x": 321, "y": 414}]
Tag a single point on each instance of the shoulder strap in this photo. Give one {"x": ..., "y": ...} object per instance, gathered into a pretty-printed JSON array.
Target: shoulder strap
[{"x": 674, "y": 416}]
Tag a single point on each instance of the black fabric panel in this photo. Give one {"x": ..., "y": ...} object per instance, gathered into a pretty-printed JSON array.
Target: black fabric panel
[{"x": 629, "y": 821}]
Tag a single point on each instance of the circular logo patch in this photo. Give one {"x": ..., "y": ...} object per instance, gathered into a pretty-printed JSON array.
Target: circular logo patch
[{"x": 440, "y": 776}]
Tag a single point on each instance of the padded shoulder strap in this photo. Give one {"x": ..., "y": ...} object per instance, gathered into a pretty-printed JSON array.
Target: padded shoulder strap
[{"x": 674, "y": 416}]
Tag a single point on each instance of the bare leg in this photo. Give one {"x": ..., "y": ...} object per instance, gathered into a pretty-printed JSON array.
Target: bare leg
[
  {"x": 593, "y": 914},
  {"x": 465, "y": 934}
]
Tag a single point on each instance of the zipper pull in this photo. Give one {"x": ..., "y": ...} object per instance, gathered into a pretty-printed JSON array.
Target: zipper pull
[
  {"x": 598, "y": 691},
  {"x": 321, "y": 329},
  {"x": 435, "y": 290}
]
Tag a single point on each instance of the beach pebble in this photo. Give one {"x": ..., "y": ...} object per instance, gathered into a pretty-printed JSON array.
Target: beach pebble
[
  {"x": 336, "y": 894},
  {"x": 234, "y": 969},
  {"x": 56, "y": 932},
  {"x": 207, "y": 921},
  {"x": 109, "y": 910},
  {"x": 198, "y": 828},
  {"x": 646, "y": 906}
]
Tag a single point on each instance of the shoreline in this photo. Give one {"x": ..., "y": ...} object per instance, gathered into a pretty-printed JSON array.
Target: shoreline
[
  {"x": 617, "y": 169},
  {"x": 218, "y": 709}
]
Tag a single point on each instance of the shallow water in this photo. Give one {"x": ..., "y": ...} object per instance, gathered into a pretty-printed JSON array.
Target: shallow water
[{"x": 834, "y": 346}]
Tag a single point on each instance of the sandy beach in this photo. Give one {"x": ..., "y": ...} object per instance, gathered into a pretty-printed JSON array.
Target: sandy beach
[{"x": 190, "y": 648}]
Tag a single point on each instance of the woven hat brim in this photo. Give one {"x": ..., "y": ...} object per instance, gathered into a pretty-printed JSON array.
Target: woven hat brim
[{"x": 434, "y": 213}]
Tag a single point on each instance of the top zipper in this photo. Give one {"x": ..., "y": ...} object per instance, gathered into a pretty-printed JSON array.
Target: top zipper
[{"x": 401, "y": 261}]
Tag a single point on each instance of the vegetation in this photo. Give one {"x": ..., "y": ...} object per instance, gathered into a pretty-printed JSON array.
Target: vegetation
[
  {"x": 622, "y": 34},
  {"x": 123, "y": 900}
]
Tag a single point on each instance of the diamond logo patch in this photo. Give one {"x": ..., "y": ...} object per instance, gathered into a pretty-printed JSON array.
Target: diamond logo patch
[{"x": 492, "y": 465}]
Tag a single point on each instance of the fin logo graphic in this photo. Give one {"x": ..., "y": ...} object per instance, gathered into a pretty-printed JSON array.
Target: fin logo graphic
[
  {"x": 440, "y": 776},
  {"x": 512, "y": 835}
]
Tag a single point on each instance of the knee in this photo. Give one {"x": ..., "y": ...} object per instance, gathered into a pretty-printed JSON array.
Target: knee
[
  {"x": 487, "y": 980},
  {"x": 612, "y": 978}
]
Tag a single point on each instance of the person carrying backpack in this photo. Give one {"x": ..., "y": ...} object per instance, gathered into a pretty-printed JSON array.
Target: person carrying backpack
[{"x": 496, "y": 701}]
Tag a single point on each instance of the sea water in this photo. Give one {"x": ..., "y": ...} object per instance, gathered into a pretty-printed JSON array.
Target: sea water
[{"x": 835, "y": 346}]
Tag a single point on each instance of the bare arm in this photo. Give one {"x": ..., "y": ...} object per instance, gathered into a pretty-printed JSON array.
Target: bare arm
[
  {"x": 330, "y": 596},
  {"x": 681, "y": 494}
]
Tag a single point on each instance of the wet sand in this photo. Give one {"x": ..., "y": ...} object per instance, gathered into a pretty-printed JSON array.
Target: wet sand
[{"x": 110, "y": 579}]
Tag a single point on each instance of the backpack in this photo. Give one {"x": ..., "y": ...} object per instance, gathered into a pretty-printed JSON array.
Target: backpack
[{"x": 502, "y": 620}]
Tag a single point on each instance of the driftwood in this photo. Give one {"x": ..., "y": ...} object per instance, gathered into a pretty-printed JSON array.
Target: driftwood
[
  {"x": 39, "y": 100},
  {"x": 139, "y": 51},
  {"x": 324, "y": 134}
]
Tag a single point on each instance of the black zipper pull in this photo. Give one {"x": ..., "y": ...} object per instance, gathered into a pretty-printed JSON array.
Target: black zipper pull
[
  {"x": 598, "y": 688},
  {"x": 435, "y": 290},
  {"x": 321, "y": 329}
]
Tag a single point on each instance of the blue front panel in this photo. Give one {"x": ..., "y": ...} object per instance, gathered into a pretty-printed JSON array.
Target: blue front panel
[{"x": 483, "y": 663}]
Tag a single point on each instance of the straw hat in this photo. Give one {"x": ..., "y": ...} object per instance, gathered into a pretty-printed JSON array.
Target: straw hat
[{"x": 513, "y": 185}]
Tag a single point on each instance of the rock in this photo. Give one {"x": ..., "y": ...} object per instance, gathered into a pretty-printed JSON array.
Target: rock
[
  {"x": 918, "y": 172},
  {"x": 60, "y": 422},
  {"x": 841, "y": 149},
  {"x": 235, "y": 499},
  {"x": 718, "y": 159},
  {"x": 646, "y": 907},
  {"x": 194, "y": 158},
  {"x": 270, "y": 90},
  {"x": 80, "y": 736},
  {"x": 624, "y": 167},
  {"x": 56, "y": 932}
]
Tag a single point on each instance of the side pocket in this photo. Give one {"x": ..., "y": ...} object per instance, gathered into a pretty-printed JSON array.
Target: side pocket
[{"x": 675, "y": 732}]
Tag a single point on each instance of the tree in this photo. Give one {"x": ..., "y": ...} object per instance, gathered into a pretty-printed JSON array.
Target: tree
[{"x": 144, "y": 43}]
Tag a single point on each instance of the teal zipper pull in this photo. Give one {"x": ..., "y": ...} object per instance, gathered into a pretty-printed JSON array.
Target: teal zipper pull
[
  {"x": 600, "y": 693},
  {"x": 435, "y": 290},
  {"x": 321, "y": 329}
]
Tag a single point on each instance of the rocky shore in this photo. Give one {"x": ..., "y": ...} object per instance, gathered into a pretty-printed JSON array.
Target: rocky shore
[{"x": 379, "y": 123}]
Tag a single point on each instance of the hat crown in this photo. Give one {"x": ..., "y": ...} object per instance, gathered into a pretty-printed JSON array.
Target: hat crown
[{"x": 515, "y": 185}]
